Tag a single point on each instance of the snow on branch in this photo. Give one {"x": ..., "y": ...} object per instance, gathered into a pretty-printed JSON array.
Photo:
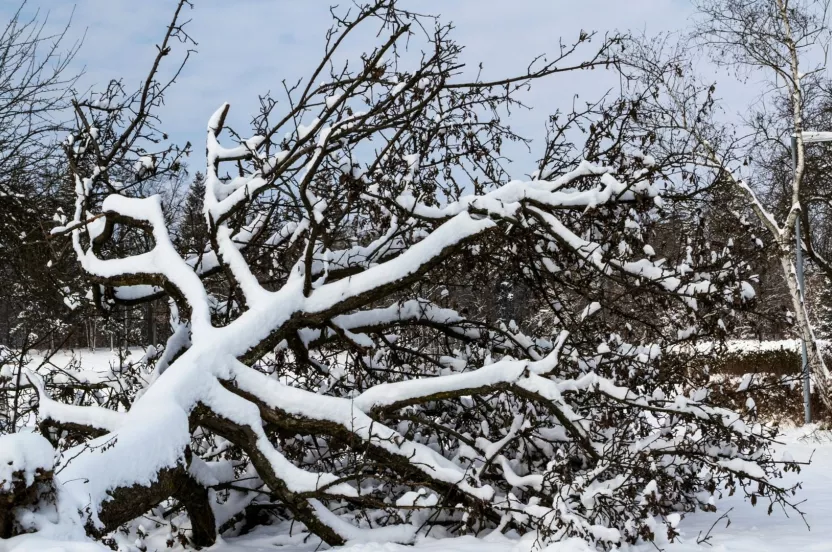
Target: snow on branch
[{"x": 386, "y": 333}]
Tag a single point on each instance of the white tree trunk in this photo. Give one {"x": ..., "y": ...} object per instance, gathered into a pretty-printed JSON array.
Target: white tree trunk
[{"x": 817, "y": 367}]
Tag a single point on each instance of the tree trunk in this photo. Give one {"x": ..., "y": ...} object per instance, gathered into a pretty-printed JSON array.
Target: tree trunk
[{"x": 817, "y": 367}]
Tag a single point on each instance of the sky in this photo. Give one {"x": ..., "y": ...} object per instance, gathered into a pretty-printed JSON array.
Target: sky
[{"x": 247, "y": 47}]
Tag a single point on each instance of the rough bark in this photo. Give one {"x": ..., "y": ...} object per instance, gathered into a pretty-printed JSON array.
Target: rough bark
[
  {"x": 128, "y": 503},
  {"x": 20, "y": 495},
  {"x": 246, "y": 439},
  {"x": 804, "y": 329}
]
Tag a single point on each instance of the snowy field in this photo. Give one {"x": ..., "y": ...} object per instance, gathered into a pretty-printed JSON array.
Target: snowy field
[
  {"x": 98, "y": 360},
  {"x": 750, "y": 529}
]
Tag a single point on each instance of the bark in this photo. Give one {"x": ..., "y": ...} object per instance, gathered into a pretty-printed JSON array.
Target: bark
[
  {"x": 20, "y": 495},
  {"x": 804, "y": 329},
  {"x": 128, "y": 503},
  {"x": 246, "y": 439},
  {"x": 293, "y": 425}
]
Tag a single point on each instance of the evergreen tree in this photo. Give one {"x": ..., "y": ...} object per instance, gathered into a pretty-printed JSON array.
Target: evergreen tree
[
  {"x": 822, "y": 309},
  {"x": 193, "y": 232}
]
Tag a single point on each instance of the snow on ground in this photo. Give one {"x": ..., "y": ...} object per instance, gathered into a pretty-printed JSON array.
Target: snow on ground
[
  {"x": 86, "y": 365},
  {"x": 751, "y": 530},
  {"x": 98, "y": 360}
]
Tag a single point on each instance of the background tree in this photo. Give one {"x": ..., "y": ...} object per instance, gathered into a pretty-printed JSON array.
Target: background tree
[
  {"x": 34, "y": 92},
  {"x": 777, "y": 39},
  {"x": 193, "y": 232}
]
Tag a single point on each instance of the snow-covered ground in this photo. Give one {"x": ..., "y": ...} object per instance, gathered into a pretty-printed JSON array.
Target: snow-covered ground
[
  {"x": 98, "y": 360},
  {"x": 750, "y": 530}
]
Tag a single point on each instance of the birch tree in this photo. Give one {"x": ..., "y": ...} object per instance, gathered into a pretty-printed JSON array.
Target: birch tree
[{"x": 779, "y": 40}]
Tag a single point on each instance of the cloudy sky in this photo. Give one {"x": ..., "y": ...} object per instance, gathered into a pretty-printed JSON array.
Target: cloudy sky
[{"x": 247, "y": 47}]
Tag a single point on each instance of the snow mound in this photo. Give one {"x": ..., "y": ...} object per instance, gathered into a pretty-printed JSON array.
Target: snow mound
[{"x": 24, "y": 453}]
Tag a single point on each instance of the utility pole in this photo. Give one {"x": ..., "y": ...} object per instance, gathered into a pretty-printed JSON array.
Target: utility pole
[
  {"x": 804, "y": 357},
  {"x": 808, "y": 138}
]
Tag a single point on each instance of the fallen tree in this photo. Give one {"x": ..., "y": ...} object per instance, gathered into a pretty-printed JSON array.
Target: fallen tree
[{"x": 333, "y": 358}]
